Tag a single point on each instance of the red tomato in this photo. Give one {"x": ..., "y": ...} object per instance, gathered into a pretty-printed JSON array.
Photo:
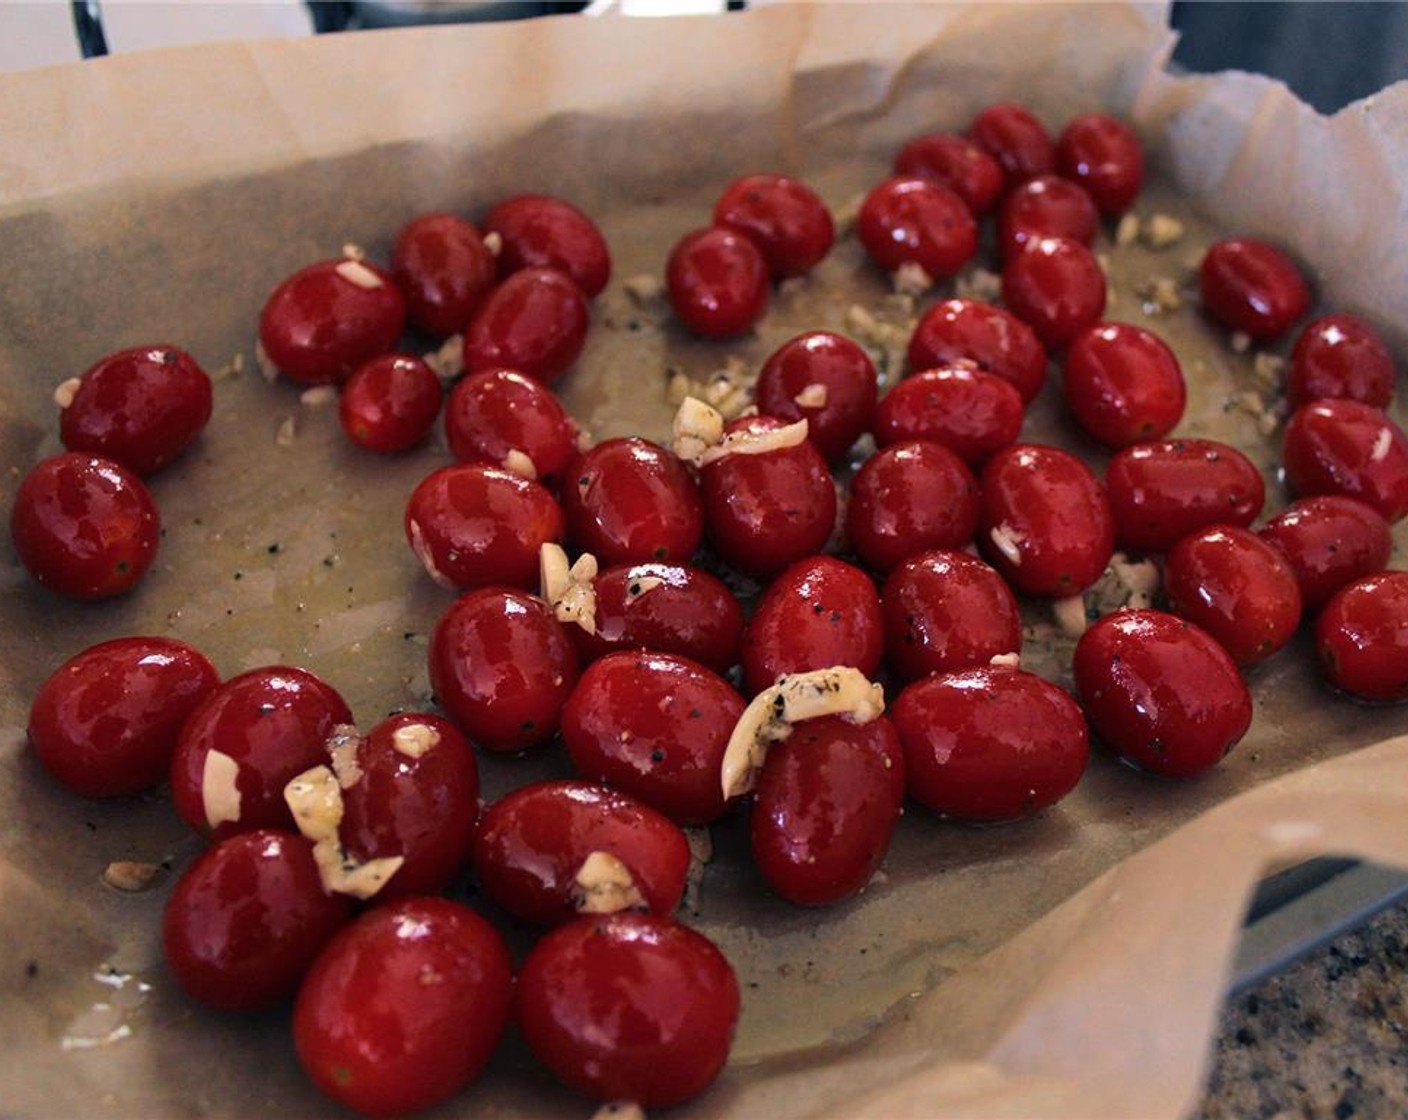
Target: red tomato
[
  {"x": 629, "y": 1007},
  {"x": 653, "y": 726},
  {"x": 328, "y": 318},
  {"x": 105, "y": 722},
  {"x": 1361, "y": 638},
  {"x": 139, "y": 407},
  {"x": 908, "y": 498},
  {"x": 1056, "y": 286},
  {"x": 1236, "y": 587},
  {"x": 1160, "y": 692},
  {"x": 1329, "y": 541},
  {"x": 1016, "y": 139},
  {"x": 1160, "y": 492},
  {"x": 784, "y": 217},
  {"x": 912, "y": 220},
  {"x": 1045, "y": 206},
  {"x": 970, "y": 411},
  {"x": 1045, "y": 523},
  {"x": 825, "y": 807},
  {"x": 390, "y": 403},
  {"x": 404, "y": 1007},
  {"x": 1345, "y": 447},
  {"x": 84, "y": 526},
  {"x": 473, "y": 525},
  {"x": 629, "y": 501},
  {"x": 1341, "y": 356},
  {"x": 502, "y": 667},
  {"x": 955, "y": 330},
  {"x": 944, "y": 611},
  {"x": 1252, "y": 287},
  {"x": 444, "y": 269},
  {"x": 246, "y": 919},
  {"x": 1123, "y": 384},
  {"x": 531, "y": 844},
  {"x": 990, "y": 744},
  {"x": 535, "y": 322},
  {"x": 270, "y": 725},
  {"x": 495, "y": 412},
  {"x": 540, "y": 231},
  {"x": 959, "y": 164},
  {"x": 825, "y": 379},
  {"x": 1102, "y": 154},
  {"x": 816, "y": 613},
  {"x": 717, "y": 280}
]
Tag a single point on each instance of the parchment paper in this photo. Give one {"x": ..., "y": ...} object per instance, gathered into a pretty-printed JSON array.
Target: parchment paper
[{"x": 1070, "y": 965}]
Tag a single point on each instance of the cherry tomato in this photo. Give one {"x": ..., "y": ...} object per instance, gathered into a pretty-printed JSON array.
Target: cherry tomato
[
  {"x": 444, "y": 269},
  {"x": 540, "y": 231},
  {"x": 105, "y": 722},
  {"x": 1123, "y": 384},
  {"x": 717, "y": 281},
  {"x": 1161, "y": 692},
  {"x": 970, "y": 411},
  {"x": 907, "y": 219},
  {"x": 1252, "y": 287},
  {"x": 825, "y": 807},
  {"x": 959, "y": 164},
  {"x": 245, "y": 741},
  {"x": 908, "y": 498},
  {"x": 629, "y": 1007},
  {"x": 1045, "y": 206},
  {"x": 955, "y": 330},
  {"x": 1162, "y": 491},
  {"x": 531, "y": 844},
  {"x": 825, "y": 379},
  {"x": 653, "y": 726},
  {"x": 629, "y": 501},
  {"x": 473, "y": 525},
  {"x": 404, "y": 1006},
  {"x": 990, "y": 744},
  {"x": 1361, "y": 638},
  {"x": 1341, "y": 356},
  {"x": 496, "y": 412},
  {"x": 1102, "y": 154},
  {"x": 1237, "y": 587},
  {"x": 1016, "y": 139},
  {"x": 328, "y": 318},
  {"x": 1329, "y": 541},
  {"x": 139, "y": 407},
  {"x": 390, "y": 403},
  {"x": 534, "y": 322},
  {"x": 784, "y": 217},
  {"x": 502, "y": 667},
  {"x": 1345, "y": 447},
  {"x": 84, "y": 527},
  {"x": 944, "y": 611},
  {"x": 1045, "y": 523},
  {"x": 246, "y": 919},
  {"x": 1056, "y": 286}
]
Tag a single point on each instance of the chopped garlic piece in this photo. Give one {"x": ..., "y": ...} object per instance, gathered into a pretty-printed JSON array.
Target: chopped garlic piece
[
  {"x": 494, "y": 242},
  {"x": 848, "y": 213},
  {"x": 315, "y": 799},
  {"x": 1160, "y": 295},
  {"x": 1127, "y": 232},
  {"x": 318, "y": 396},
  {"x": 1008, "y": 542},
  {"x": 605, "y": 885},
  {"x": 286, "y": 431},
  {"x": 756, "y": 443},
  {"x": 1070, "y": 615},
  {"x": 1161, "y": 230},
  {"x": 341, "y": 874},
  {"x": 644, "y": 288},
  {"x": 697, "y": 427},
  {"x": 414, "y": 739},
  {"x": 65, "y": 391},
  {"x": 520, "y": 464},
  {"x": 129, "y": 875},
  {"x": 354, "y": 252},
  {"x": 219, "y": 789},
  {"x": 267, "y": 369},
  {"x": 1268, "y": 368},
  {"x": 447, "y": 361},
  {"x": 980, "y": 284},
  {"x": 911, "y": 279},
  {"x": 426, "y": 557},
  {"x": 1383, "y": 444},
  {"x": 1006, "y": 661},
  {"x": 342, "y": 746},
  {"x": 619, "y": 1110},
  {"x": 355, "y": 272},
  {"x": 1139, "y": 577},
  {"x": 571, "y": 592},
  {"x": 813, "y": 396},
  {"x": 1240, "y": 341}
]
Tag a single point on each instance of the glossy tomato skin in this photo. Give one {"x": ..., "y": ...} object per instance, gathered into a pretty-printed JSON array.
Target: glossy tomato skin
[
  {"x": 532, "y": 842},
  {"x": 502, "y": 667},
  {"x": 848, "y": 389},
  {"x": 328, "y": 318},
  {"x": 1237, "y": 587},
  {"x": 140, "y": 407},
  {"x": 717, "y": 280},
  {"x": 1056, "y": 286},
  {"x": 535, "y": 321},
  {"x": 1045, "y": 206},
  {"x": 990, "y": 744},
  {"x": 1016, "y": 139},
  {"x": 653, "y": 726},
  {"x": 1123, "y": 384},
  {"x": 246, "y": 919},
  {"x": 910, "y": 497},
  {"x": 1253, "y": 287},
  {"x": 630, "y": 501},
  {"x": 390, "y": 403},
  {"x": 956, "y": 330},
  {"x": 540, "y": 231},
  {"x": 1361, "y": 638},
  {"x": 944, "y": 611},
  {"x": 444, "y": 269},
  {"x": 84, "y": 526},
  {"x": 908, "y": 219},
  {"x": 1045, "y": 522},
  {"x": 816, "y": 613},
  {"x": 1162, "y": 491},
  {"x": 629, "y": 1007},
  {"x": 473, "y": 525},
  {"x": 1346, "y": 447},
  {"x": 1103, "y": 154},
  {"x": 959, "y": 164},
  {"x": 970, "y": 411},
  {"x": 825, "y": 808},
  {"x": 495, "y": 412},
  {"x": 105, "y": 722},
  {"x": 784, "y": 217},
  {"x": 1161, "y": 692},
  {"x": 404, "y": 1007},
  {"x": 1341, "y": 356},
  {"x": 1329, "y": 541}
]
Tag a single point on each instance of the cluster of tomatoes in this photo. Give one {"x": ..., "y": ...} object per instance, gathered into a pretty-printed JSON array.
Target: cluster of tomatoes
[{"x": 331, "y": 848}]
